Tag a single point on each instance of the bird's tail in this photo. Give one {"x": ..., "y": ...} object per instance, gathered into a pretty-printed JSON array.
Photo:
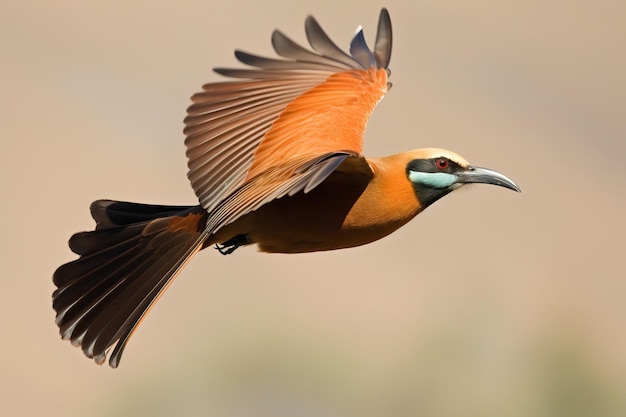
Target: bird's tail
[{"x": 124, "y": 266}]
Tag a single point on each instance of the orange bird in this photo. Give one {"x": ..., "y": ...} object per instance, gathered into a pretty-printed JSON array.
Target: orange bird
[{"x": 276, "y": 159}]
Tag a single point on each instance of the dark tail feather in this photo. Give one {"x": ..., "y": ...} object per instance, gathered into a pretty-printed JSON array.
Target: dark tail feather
[
  {"x": 124, "y": 266},
  {"x": 109, "y": 213}
]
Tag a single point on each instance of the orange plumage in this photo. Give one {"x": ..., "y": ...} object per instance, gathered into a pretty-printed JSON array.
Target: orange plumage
[{"x": 275, "y": 158}]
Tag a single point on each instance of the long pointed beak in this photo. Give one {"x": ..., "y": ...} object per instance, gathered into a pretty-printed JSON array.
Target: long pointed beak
[{"x": 487, "y": 176}]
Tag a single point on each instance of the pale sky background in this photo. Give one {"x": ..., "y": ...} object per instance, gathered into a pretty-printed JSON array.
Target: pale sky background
[{"x": 490, "y": 303}]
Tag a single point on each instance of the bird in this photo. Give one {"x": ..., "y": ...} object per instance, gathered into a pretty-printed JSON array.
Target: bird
[{"x": 275, "y": 158}]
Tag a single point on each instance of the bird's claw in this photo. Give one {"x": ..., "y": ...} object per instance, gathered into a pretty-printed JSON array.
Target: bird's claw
[{"x": 226, "y": 249}]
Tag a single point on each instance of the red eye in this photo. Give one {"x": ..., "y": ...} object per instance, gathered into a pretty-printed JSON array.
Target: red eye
[{"x": 442, "y": 163}]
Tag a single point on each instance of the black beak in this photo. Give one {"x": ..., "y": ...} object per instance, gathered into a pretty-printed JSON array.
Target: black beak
[{"x": 486, "y": 176}]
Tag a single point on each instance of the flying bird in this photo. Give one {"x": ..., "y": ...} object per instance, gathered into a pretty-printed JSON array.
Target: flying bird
[{"x": 275, "y": 157}]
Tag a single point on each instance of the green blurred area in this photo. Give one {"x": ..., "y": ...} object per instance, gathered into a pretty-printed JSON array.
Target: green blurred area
[{"x": 488, "y": 304}]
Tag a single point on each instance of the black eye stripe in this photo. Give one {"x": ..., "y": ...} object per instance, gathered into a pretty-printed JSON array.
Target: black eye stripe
[{"x": 431, "y": 165}]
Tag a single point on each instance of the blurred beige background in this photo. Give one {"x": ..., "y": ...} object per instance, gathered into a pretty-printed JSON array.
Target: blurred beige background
[{"x": 490, "y": 303}]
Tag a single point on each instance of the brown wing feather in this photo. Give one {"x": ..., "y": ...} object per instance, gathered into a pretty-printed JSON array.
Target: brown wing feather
[
  {"x": 297, "y": 175},
  {"x": 235, "y": 129}
]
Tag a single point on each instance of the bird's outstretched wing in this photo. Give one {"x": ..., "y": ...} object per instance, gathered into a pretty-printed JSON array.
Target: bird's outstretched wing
[{"x": 304, "y": 109}]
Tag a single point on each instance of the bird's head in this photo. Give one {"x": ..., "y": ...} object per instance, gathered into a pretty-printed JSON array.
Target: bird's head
[{"x": 436, "y": 172}]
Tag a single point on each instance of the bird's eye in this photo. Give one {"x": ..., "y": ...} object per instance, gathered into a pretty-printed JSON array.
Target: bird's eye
[{"x": 442, "y": 163}]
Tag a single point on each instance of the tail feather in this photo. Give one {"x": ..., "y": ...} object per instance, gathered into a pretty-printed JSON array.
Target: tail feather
[
  {"x": 110, "y": 213},
  {"x": 124, "y": 265},
  {"x": 90, "y": 244}
]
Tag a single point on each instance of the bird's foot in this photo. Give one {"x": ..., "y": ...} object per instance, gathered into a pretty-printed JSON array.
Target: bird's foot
[{"x": 231, "y": 245}]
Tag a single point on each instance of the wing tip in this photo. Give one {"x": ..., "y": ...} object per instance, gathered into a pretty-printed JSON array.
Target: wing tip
[
  {"x": 384, "y": 39},
  {"x": 323, "y": 50}
]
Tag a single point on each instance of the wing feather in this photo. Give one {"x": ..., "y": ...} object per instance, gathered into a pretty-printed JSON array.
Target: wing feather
[
  {"x": 300, "y": 174},
  {"x": 382, "y": 48},
  {"x": 360, "y": 51},
  {"x": 306, "y": 103},
  {"x": 279, "y": 64},
  {"x": 319, "y": 40}
]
